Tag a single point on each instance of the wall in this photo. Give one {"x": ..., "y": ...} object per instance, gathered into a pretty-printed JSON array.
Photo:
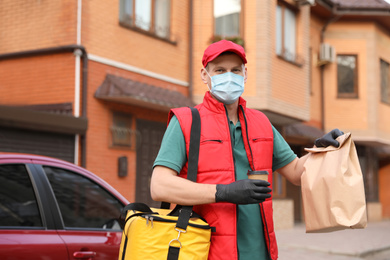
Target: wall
[
  {"x": 290, "y": 82},
  {"x": 27, "y": 25},
  {"x": 203, "y": 30},
  {"x": 384, "y": 191},
  {"x": 283, "y": 214},
  {"x": 357, "y": 115},
  {"x": 46, "y": 79},
  {"x": 382, "y": 39},
  {"x": 316, "y": 26}
]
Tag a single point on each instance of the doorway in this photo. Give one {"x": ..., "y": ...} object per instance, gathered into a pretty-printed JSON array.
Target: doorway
[{"x": 151, "y": 134}]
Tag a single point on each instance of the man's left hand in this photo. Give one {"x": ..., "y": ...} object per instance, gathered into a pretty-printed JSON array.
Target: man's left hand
[{"x": 329, "y": 139}]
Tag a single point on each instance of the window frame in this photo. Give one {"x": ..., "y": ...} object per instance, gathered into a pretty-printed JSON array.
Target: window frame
[
  {"x": 131, "y": 23},
  {"x": 115, "y": 142},
  {"x": 297, "y": 60},
  {"x": 382, "y": 97},
  {"x": 279, "y": 189},
  {"x": 36, "y": 196},
  {"x": 64, "y": 225},
  {"x": 235, "y": 38},
  {"x": 355, "y": 94}
]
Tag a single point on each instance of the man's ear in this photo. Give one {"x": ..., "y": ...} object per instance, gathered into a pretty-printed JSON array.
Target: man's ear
[
  {"x": 203, "y": 75},
  {"x": 246, "y": 75}
]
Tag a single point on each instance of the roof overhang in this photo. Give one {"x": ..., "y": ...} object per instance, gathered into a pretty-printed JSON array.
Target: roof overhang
[
  {"x": 353, "y": 10},
  {"x": 17, "y": 117},
  {"x": 127, "y": 91},
  {"x": 301, "y": 132},
  {"x": 280, "y": 119}
]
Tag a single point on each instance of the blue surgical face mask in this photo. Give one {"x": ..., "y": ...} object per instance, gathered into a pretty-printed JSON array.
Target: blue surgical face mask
[{"x": 226, "y": 87}]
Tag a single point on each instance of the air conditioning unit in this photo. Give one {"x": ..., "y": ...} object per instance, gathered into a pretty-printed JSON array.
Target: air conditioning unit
[
  {"x": 327, "y": 53},
  {"x": 306, "y": 2}
]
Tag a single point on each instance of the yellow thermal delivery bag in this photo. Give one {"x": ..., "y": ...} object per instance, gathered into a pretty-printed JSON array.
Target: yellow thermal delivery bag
[{"x": 150, "y": 235}]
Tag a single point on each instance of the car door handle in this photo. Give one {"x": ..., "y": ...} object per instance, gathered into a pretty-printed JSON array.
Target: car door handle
[{"x": 84, "y": 254}]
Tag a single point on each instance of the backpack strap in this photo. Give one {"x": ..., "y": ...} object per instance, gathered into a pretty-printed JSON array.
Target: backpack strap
[{"x": 193, "y": 157}]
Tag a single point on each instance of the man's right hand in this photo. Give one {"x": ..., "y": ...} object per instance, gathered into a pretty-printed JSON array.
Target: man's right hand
[
  {"x": 243, "y": 192},
  {"x": 329, "y": 139}
]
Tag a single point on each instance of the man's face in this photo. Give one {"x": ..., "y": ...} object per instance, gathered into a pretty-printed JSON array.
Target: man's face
[{"x": 222, "y": 64}]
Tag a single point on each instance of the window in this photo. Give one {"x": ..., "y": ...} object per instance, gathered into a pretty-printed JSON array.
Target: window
[
  {"x": 151, "y": 16},
  {"x": 286, "y": 33},
  {"x": 18, "y": 204},
  {"x": 122, "y": 134},
  {"x": 83, "y": 203},
  {"x": 347, "y": 85},
  {"x": 385, "y": 81},
  {"x": 278, "y": 186},
  {"x": 227, "y": 15}
]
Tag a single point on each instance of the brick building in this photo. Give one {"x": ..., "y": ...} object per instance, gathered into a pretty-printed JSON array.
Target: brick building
[
  {"x": 112, "y": 77},
  {"x": 92, "y": 82}
]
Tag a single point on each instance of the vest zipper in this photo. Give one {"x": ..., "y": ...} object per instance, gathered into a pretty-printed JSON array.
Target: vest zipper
[
  {"x": 150, "y": 219},
  {"x": 231, "y": 142},
  {"x": 247, "y": 138},
  {"x": 265, "y": 228},
  {"x": 235, "y": 175}
]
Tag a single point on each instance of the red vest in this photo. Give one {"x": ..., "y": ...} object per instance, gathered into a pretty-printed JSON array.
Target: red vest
[{"x": 216, "y": 166}]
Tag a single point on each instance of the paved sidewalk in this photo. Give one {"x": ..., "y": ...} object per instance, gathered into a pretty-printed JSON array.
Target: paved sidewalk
[{"x": 340, "y": 245}]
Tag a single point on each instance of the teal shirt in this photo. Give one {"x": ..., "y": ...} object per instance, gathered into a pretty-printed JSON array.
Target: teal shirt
[{"x": 250, "y": 235}]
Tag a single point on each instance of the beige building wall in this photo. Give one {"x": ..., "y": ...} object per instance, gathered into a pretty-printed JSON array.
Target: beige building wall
[
  {"x": 382, "y": 38},
  {"x": 341, "y": 112},
  {"x": 384, "y": 191},
  {"x": 366, "y": 116}
]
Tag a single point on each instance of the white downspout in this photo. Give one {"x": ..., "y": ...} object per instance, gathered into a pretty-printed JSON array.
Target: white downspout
[{"x": 78, "y": 54}]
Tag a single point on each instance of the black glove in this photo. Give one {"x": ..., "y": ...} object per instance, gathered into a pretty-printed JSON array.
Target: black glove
[
  {"x": 329, "y": 139},
  {"x": 243, "y": 192}
]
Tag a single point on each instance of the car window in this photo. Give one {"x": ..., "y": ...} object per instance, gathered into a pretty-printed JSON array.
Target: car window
[
  {"x": 18, "y": 204},
  {"x": 82, "y": 202}
]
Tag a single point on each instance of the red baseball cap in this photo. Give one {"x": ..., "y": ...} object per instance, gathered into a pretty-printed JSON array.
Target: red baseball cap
[{"x": 216, "y": 48}]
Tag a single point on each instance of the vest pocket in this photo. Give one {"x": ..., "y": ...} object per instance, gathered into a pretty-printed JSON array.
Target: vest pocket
[
  {"x": 214, "y": 156},
  {"x": 262, "y": 139},
  {"x": 212, "y": 141},
  {"x": 262, "y": 146}
]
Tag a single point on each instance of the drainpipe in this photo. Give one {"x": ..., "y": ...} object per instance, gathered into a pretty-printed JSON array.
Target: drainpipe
[
  {"x": 78, "y": 54},
  {"x": 322, "y": 71},
  {"x": 57, "y": 50},
  {"x": 190, "y": 49}
]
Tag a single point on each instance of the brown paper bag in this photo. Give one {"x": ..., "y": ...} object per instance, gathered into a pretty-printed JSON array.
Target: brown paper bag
[{"x": 333, "y": 189}]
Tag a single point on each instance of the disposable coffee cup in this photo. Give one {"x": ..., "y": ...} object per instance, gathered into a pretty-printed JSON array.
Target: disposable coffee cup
[{"x": 258, "y": 175}]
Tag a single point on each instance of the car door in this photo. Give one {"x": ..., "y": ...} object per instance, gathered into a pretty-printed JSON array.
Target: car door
[
  {"x": 27, "y": 229},
  {"x": 89, "y": 214}
]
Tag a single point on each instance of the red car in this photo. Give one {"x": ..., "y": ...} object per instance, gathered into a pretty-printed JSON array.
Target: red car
[{"x": 51, "y": 209}]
